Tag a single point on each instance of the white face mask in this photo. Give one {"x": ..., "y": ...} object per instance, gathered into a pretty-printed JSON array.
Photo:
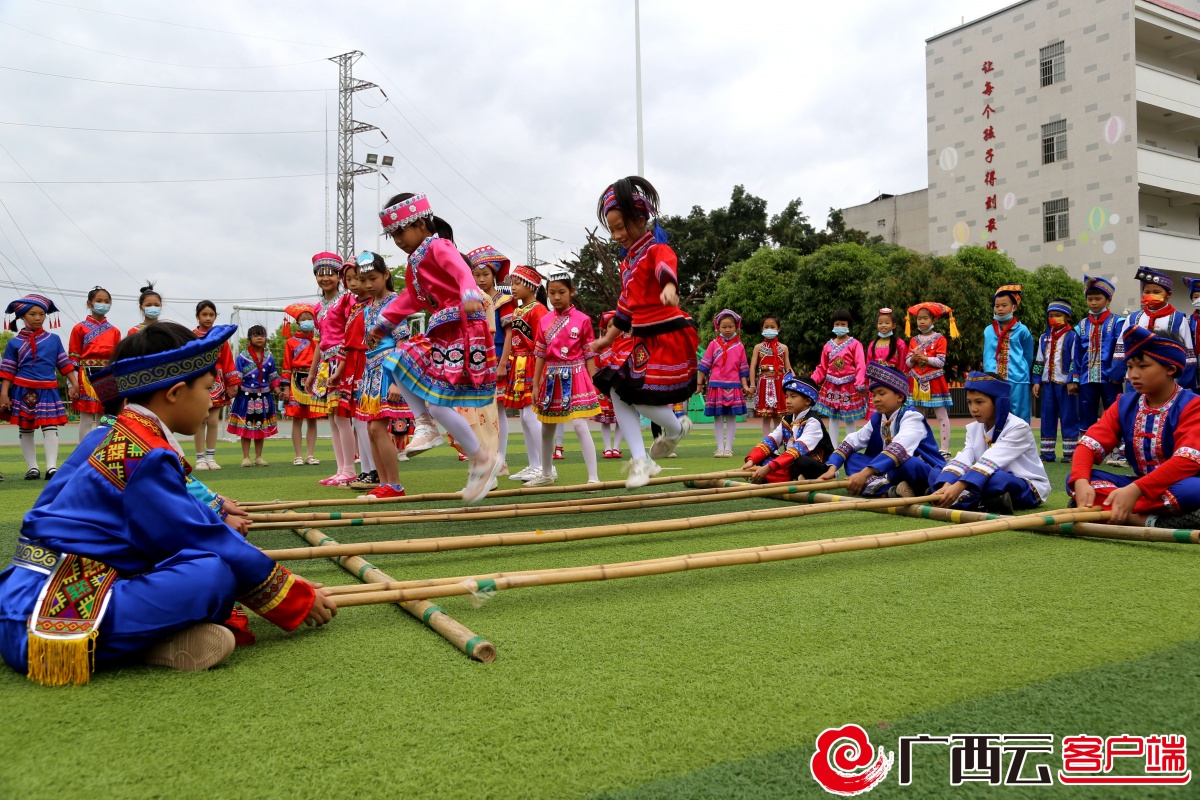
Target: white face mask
[
  {"x": 885, "y": 334},
  {"x": 770, "y": 333},
  {"x": 1196, "y": 303},
  {"x": 152, "y": 312},
  {"x": 840, "y": 330}
]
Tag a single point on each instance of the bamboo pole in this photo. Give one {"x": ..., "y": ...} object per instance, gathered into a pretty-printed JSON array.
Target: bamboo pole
[
  {"x": 769, "y": 553},
  {"x": 538, "y": 509},
  {"x": 597, "y": 500},
  {"x": 432, "y": 616},
  {"x": 445, "y": 543},
  {"x": 280, "y": 505},
  {"x": 1069, "y": 529}
]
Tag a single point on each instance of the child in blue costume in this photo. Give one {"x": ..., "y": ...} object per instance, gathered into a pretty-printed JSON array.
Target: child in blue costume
[
  {"x": 1008, "y": 348},
  {"x": 116, "y": 561},
  {"x": 1056, "y": 381},
  {"x": 899, "y": 452}
]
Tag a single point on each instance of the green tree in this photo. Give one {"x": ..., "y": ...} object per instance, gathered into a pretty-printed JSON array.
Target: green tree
[{"x": 758, "y": 286}]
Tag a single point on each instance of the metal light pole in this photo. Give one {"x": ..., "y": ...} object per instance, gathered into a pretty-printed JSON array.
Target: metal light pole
[
  {"x": 637, "y": 52},
  {"x": 378, "y": 164}
]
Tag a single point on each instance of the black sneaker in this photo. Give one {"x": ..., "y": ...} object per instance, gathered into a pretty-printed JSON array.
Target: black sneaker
[
  {"x": 51, "y": 472},
  {"x": 33, "y": 474},
  {"x": 999, "y": 505}
]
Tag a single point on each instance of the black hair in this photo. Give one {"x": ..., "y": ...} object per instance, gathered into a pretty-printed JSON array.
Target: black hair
[
  {"x": 156, "y": 338},
  {"x": 843, "y": 315},
  {"x": 203, "y": 304},
  {"x": 147, "y": 291},
  {"x": 256, "y": 330},
  {"x": 380, "y": 266},
  {"x": 1097, "y": 290},
  {"x": 95, "y": 290},
  {"x": 563, "y": 279},
  {"x": 625, "y": 189},
  {"x": 434, "y": 224},
  {"x": 895, "y": 318},
  {"x": 767, "y": 317}
]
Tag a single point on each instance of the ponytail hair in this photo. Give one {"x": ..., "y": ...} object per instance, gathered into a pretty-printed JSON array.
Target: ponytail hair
[
  {"x": 636, "y": 199},
  {"x": 203, "y": 304},
  {"x": 435, "y": 225},
  {"x": 95, "y": 290},
  {"x": 147, "y": 291}
]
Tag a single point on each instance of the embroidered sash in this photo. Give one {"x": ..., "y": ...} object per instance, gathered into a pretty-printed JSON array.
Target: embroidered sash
[{"x": 64, "y": 626}]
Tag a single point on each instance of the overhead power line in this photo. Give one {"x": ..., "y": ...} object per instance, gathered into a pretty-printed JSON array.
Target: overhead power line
[
  {"x": 159, "y": 86},
  {"x": 169, "y": 133},
  {"x": 177, "y": 180}
]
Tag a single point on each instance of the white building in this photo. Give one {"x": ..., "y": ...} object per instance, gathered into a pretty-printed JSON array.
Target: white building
[
  {"x": 901, "y": 219},
  {"x": 1068, "y": 132}
]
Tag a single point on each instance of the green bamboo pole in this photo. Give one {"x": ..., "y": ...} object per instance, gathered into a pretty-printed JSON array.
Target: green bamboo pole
[
  {"x": 432, "y": 616},
  {"x": 281, "y": 505},
  {"x": 769, "y": 553},
  {"x": 1070, "y": 529},
  {"x": 595, "y": 500},
  {"x": 538, "y": 510},
  {"x": 444, "y": 543}
]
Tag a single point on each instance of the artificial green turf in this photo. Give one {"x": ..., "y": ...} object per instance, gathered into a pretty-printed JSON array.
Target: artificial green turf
[{"x": 599, "y": 686}]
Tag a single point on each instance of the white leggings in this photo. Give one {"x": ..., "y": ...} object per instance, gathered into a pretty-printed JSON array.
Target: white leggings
[
  {"x": 725, "y": 426},
  {"x": 834, "y": 425},
  {"x": 365, "y": 460},
  {"x": 456, "y": 424},
  {"x": 630, "y": 423},
  {"x": 586, "y": 445}
]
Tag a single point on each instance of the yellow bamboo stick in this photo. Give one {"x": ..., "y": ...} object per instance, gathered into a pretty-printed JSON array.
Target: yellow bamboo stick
[
  {"x": 280, "y": 505},
  {"x": 601, "y": 572},
  {"x": 444, "y": 543},
  {"x": 538, "y": 509}
]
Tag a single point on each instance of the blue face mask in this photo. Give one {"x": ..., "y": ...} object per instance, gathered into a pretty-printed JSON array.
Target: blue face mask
[
  {"x": 100, "y": 309},
  {"x": 307, "y": 325},
  {"x": 770, "y": 333},
  {"x": 885, "y": 334},
  {"x": 840, "y": 330},
  {"x": 152, "y": 312},
  {"x": 1004, "y": 318}
]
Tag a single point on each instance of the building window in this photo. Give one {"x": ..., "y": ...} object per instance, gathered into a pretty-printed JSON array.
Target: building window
[
  {"x": 1054, "y": 142},
  {"x": 1054, "y": 220},
  {"x": 1054, "y": 65},
  {"x": 883, "y": 223}
]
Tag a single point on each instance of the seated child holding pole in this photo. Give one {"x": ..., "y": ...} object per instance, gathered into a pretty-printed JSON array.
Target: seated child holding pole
[
  {"x": 119, "y": 563},
  {"x": 798, "y": 447},
  {"x": 1159, "y": 424},
  {"x": 998, "y": 469},
  {"x": 899, "y": 452}
]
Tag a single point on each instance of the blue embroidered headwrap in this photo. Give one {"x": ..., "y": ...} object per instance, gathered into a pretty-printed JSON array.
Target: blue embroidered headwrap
[
  {"x": 1141, "y": 341},
  {"x": 882, "y": 375},
  {"x": 996, "y": 388},
  {"x": 804, "y": 386},
  {"x": 1146, "y": 275},
  {"x": 163, "y": 370},
  {"x": 1094, "y": 283},
  {"x": 1061, "y": 306}
]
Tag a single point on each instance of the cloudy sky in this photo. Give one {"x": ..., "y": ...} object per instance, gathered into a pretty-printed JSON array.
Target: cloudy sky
[{"x": 499, "y": 110}]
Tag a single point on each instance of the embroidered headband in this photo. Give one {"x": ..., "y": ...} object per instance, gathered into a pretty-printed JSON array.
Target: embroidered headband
[
  {"x": 20, "y": 308},
  {"x": 327, "y": 263},
  {"x": 1013, "y": 290},
  {"x": 1098, "y": 284},
  {"x": 1061, "y": 306},
  {"x": 804, "y": 386},
  {"x": 490, "y": 257},
  {"x": 642, "y": 203},
  {"x": 991, "y": 385},
  {"x": 405, "y": 213},
  {"x": 1143, "y": 342},
  {"x": 1193, "y": 285},
  {"x": 527, "y": 275},
  {"x": 605, "y": 318},
  {"x": 1146, "y": 275},
  {"x": 883, "y": 375},
  {"x": 163, "y": 370},
  {"x": 725, "y": 312},
  {"x": 296, "y": 309}
]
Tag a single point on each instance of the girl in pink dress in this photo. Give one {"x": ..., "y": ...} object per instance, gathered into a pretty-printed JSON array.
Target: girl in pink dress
[
  {"x": 889, "y": 347},
  {"x": 842, "y": 376},
  {"x": 454, "y": 363},
  {"x": 724, "y": 380},
  {"x": 333, "y": 308},
  {"x": 562, "y": 375}
]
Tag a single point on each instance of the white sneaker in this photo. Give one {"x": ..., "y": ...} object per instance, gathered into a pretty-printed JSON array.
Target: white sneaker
[
  {"x": 480, "y": 477},
  {"x": 200, "y": 463},
  {"x": 426, "y": 437},
  {"x": 641, "y": 470},
  {"x": 402, "y": 457},
  {"x": 541, "y": 480},
  {"x": 212, "y": 463},
  {"x": 664, "y": 445},
  {"x": 525, "y": 474}
]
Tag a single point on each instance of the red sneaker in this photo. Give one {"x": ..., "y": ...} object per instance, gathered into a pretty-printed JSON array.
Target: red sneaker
[
  {"x": 558, "y": 454},
  {"x": 462, "y": 456},
  {"x": 386, "y": 491}
]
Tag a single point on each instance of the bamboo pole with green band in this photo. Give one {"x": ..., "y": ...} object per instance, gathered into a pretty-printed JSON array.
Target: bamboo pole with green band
[
  {"x": 444, "y": 543},
  {"x": 721, "y": 558},
  {"x": 432, "y": 616},
  {"x": 1073, "y": 529},
  {"x": 539, "y": 509},
  {"x": 734, "y": 488},
  {"x": 286, "y": 505}
]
